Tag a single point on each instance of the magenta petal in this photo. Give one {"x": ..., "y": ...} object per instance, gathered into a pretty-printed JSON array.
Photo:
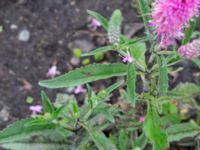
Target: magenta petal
[
  {"x": 79, "y": 90},
  {"x": 170, "y": 17},
  {"x": 35, "y": 109}
]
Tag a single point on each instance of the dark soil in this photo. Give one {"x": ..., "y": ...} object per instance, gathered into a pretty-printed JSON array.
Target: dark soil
[{"x": 52, "y": 24}]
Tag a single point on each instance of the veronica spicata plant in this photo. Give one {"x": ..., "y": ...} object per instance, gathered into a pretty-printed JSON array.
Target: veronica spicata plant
[{"x": 152, "y": 119}]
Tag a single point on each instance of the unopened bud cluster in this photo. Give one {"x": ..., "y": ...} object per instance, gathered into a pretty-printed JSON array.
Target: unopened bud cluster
[{"x": 190, "y": 50}]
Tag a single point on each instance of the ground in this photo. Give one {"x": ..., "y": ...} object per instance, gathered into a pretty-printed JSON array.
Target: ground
[{"x": 55, "y": 28}]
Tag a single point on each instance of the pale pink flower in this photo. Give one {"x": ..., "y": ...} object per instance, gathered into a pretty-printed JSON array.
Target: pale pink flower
[
  {"x": 127, "y": 59},
  {"x": 79, "y": 89},
  {"x": 190, "y": 50},
  {"x": 52, "y": 72},
  {"x": 94, "y": 24},
  {"x": 141, "y": 119},
  {"x": 170, "y": 17},
  {"x": 35, "y": 109}
]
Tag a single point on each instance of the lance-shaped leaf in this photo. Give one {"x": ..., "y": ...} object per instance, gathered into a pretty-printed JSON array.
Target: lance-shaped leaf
[
  {"x": 34, "y": 146},
  {"x": 186, "y": 90},
  {"x": 100, "y": 140},
  {"x": 178, "y": 132},
  {"x": 86, "y": 74},
  {"x": 141, "y": 141},
  {"x": 123, "y": 139},
  {"x": 18, "y": 130},
  {"x": 138, "y": 51},
  {"x": 131, "y": 82},
  {"x": 48, "y": 106},
  {"x": 163, "y": 75},
  {"x": 153, "y": 130},
  {"x": 144, "y": 11},
  {"x": 18, "y": 136}
]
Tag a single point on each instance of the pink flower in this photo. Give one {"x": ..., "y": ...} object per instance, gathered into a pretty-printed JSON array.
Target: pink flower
[
  {"x": 79, "y": 89},
  {"x": 141, "y": 119},
  {"x": 52, "y": 72},
  {"x": 170, "y": 17},
  {"x": 35, "y": 109},
  {"x": 190, "y": 50},
  {"x": 127, "y": 59},
  {"x": 94, "y": 24}
]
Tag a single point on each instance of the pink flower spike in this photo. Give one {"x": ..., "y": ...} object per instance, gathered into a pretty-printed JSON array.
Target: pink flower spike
[
  {"x": 52, "y": 72},
  {"x": 141, "y": 119},
  {"x": 190, "y": 50},
  {"x": 127, "y": 59},
  {"x": 79, "y": 89},
  {"x": 94, "y": 24},
  {"x": 171, "y": 17},
  {"x": 35, "y": 109}
]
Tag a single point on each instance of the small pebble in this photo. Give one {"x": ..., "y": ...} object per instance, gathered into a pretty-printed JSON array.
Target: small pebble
[
  {"x": 74, "y": 61},
  {"x": 1, "y": 28},
  {"x": 4, "y": 114},
  {"x": 24, "y": 35},
  {"x": 13, "y": 26}
]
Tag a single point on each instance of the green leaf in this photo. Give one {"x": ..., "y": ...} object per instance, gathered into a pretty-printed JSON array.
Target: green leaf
[
  {"x": 106, "y": 113},
  {"x": 36, "y": 122},
  {"x": 63, "y": 100},
  {"x": 101, "y": 141},
  {"x": 86, "y": 74},
  {"x": 196, "y": 61},
  {"x": 75, "y": 110},
  {"x": 186, "y": 90},
  {"x": 140, "y": 142},
  {"x": 114, "y": 28},
  {"x": 144, "y": 10},
  {"x": 100, "y": 50},
  {"x": 123, "y": 140},
  {"x": 174, "y": 58},
  {"x": 169, "y": 108},
  {"x": 114, "y": 86},
  {"x": 57, "y": 112},
  {"x": 189, "y": 31},
  {"x": 131, "y": 82},
  {"x": 153, "y": 130},
  {"x": 124, "y": 95},
  {"x": 137, "y": 51},
  {"x": 96, "y": 101},
  {"x": 48, "y": 106},
  {"x": 129, "y": 42},
  {"x": 163, "y": 76},
  {"x": 178, "y": 132},
  {"x": 34, "y": 146},
  {"x": 100, "y": 18},
  {"x": 21, "y": 136},
  {"x": 19, "y": 131}
]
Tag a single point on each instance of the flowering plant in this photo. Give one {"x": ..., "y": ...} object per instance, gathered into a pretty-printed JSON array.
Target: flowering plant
[{"x": 153, "y": 118}]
